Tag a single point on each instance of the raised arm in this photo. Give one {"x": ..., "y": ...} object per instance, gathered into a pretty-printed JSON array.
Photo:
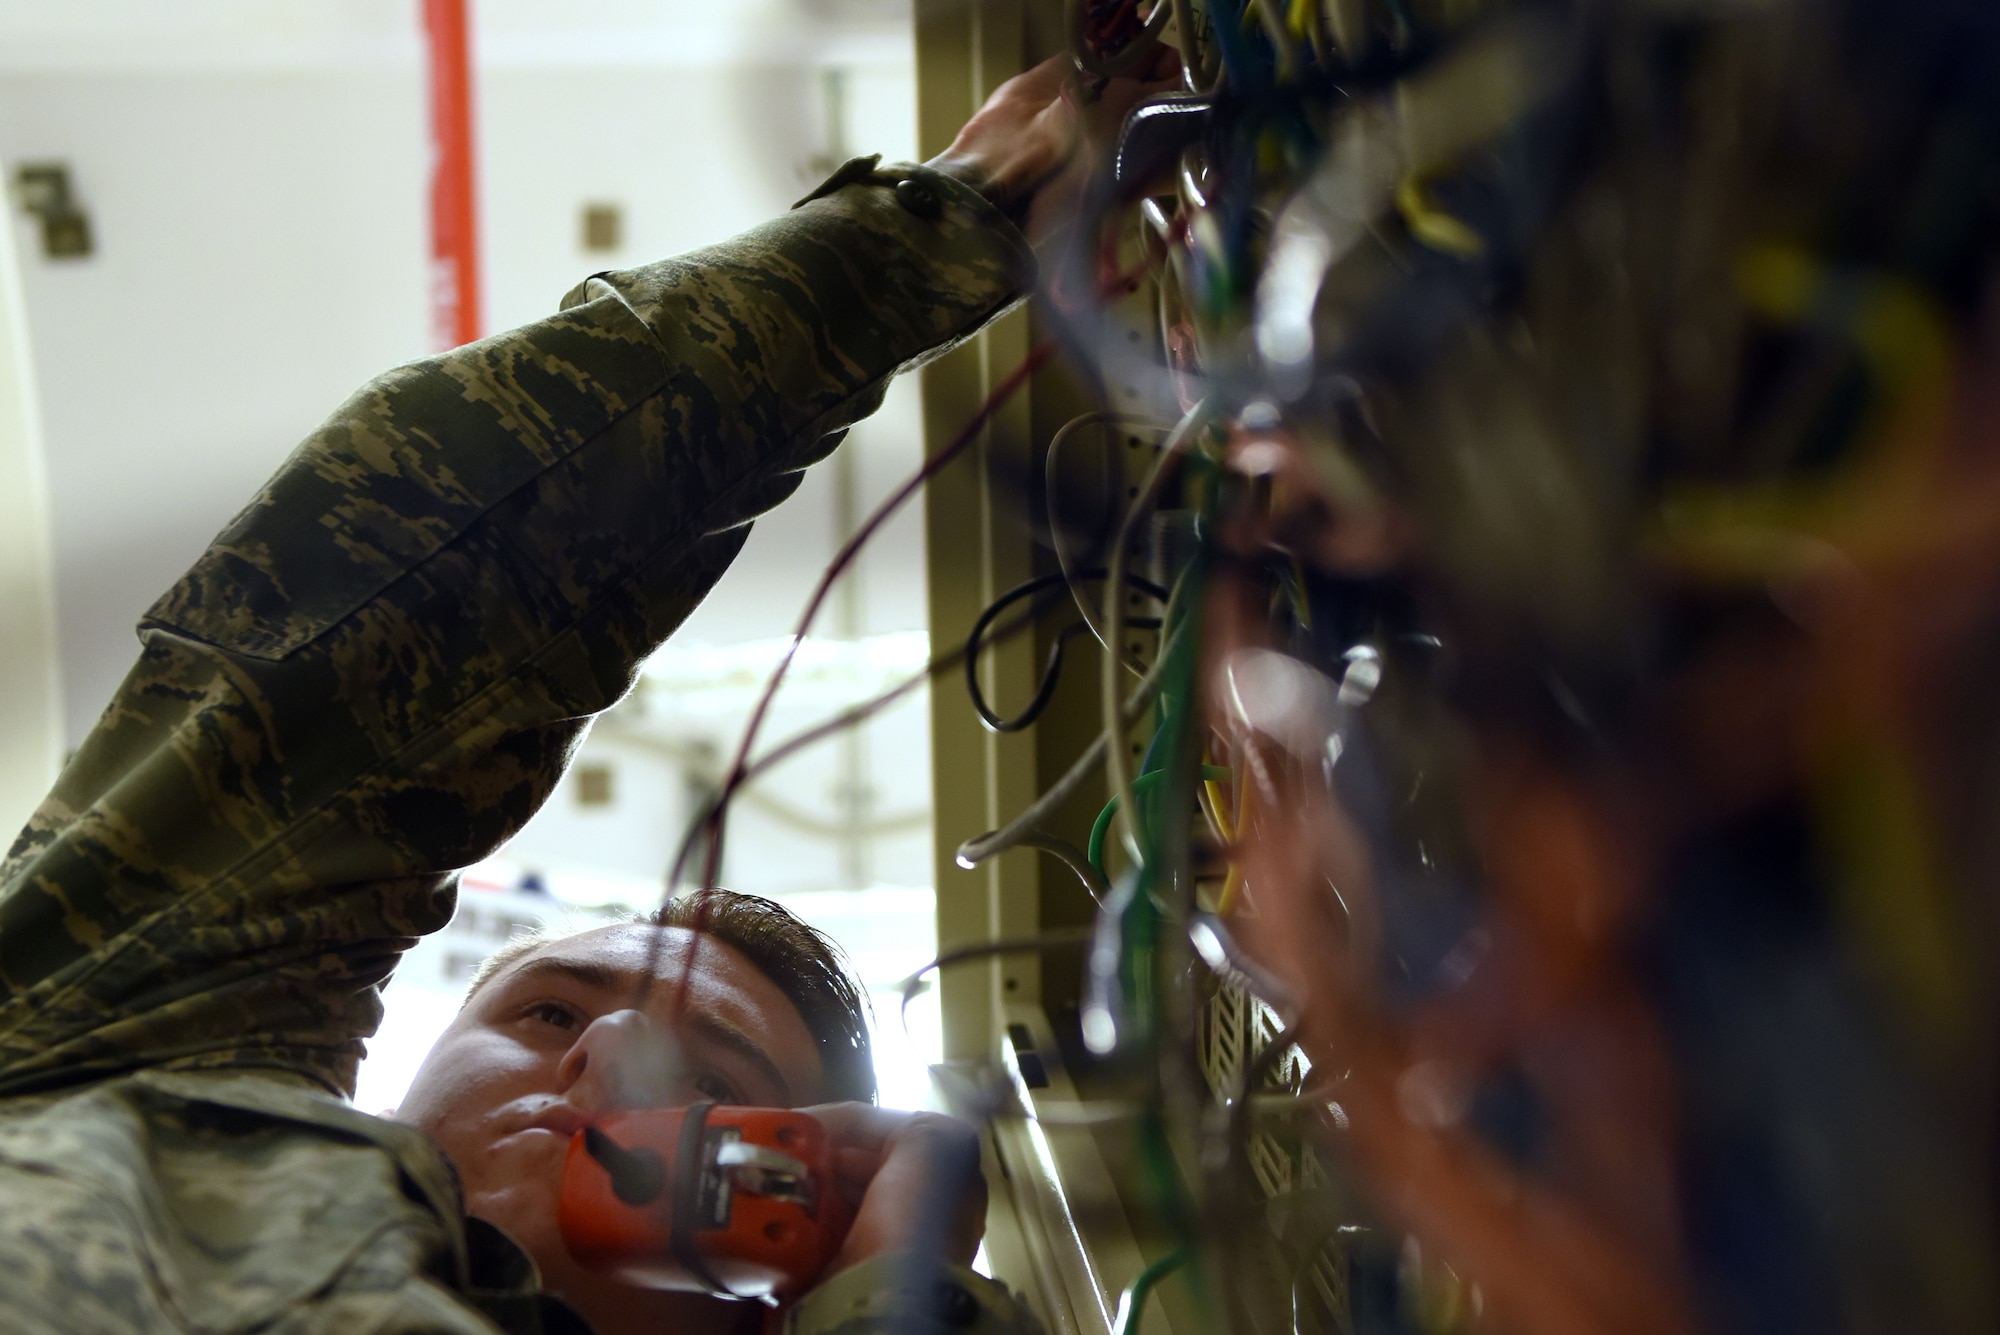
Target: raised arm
[{"x": 377, "y": 672}]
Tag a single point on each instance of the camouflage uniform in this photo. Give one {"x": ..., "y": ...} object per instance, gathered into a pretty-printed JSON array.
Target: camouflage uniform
[{"x": 374, "y": 675}]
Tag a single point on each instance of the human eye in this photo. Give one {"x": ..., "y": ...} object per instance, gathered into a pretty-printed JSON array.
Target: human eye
[
  {"x": 557, "y": 1014},
  {"x": 716, "y": 1087}
]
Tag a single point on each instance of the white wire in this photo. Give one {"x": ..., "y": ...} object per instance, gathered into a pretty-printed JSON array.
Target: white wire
[
  {"x": 981, "y": 847},
  {"x": 1051, "y": 489},
  {"x": 1119, "y": 763}
]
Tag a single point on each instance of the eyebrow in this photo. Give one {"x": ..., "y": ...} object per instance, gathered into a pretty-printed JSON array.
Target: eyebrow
[
  {"x": 581, "y": 971},
  {"x": 711, "y": 1028}
]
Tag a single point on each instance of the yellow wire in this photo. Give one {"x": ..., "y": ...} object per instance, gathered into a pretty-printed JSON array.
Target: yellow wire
[
  {"x": 1217, "y": 813},
  {"x": 1432, "y": 225},
  {"x": 1232, "y": 885},
  {"x": 1215, "y": 806},
  {"x": 1270, "y": 15},
  {"x": 1878, "y": 510}
]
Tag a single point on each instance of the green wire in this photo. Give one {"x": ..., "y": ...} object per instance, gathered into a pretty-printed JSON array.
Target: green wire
[
  {"x": 1132, "y": 1302},
  {"x": 1146, "y": 781}
]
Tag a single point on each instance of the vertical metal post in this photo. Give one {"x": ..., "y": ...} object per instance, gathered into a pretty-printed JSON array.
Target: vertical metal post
[
  {"x": 1052, "y": 1223},
  {"x": 455, "y": 307},
  {"x": 973, "y": 553}
]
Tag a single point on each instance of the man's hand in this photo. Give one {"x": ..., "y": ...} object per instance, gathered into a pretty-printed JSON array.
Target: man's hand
[
  {"x": 1038, "y": 137},
  {"x": 915, "y": 1178}
]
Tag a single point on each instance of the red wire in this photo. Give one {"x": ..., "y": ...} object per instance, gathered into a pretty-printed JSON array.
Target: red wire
[
  {"x": 1111, "y": 283},
  {"x": 1111, "y": 25},
  {"x": 849, "y": 550},
  {"x": 1006, "y": 389}
]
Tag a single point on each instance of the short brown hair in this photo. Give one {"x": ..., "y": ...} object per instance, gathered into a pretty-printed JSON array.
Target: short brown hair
[{"x": 808, "y": 967}]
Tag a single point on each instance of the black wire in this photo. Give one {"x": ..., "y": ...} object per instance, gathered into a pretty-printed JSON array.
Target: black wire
[
  {"x": 1052, "y": 670},
  {"x": 1052, "y": 939},
  {"x": 1063, "y": 851},
  {"x": 855, "y": 715}
]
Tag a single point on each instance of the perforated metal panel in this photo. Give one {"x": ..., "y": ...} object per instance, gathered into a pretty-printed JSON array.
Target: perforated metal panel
[{"x": 1232, "y": 1030}]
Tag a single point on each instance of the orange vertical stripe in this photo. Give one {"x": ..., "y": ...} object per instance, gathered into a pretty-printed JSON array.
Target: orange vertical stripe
[{"x": 455, "y": 313}]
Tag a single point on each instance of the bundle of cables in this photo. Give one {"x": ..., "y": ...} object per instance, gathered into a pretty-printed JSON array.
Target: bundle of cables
[
  {"x": 1570, "y": 721},
  {"x": 1590, "y": 412}
]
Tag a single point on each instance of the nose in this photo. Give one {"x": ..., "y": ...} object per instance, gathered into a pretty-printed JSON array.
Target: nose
[{"x": 620, "y": 1060}]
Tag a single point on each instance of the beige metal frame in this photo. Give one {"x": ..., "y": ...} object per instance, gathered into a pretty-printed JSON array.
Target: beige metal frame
[
  {"x": 1059, "y": 1228},
  {"x": 1063, "y": 1227},
  {"x": 979, "y": 544},
  {"x": 966, "y": 49}
]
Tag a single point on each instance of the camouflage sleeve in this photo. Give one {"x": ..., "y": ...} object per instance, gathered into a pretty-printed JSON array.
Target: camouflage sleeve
[
  {"x": 876, "y": 1298},
  {"x": 379, "y": 669}
]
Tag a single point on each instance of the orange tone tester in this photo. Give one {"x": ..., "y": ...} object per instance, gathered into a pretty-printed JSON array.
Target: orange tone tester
[{"x": 738, "y": 1202}]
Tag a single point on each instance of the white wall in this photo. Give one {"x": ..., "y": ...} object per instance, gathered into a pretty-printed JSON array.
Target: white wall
[
  {"x": 255, "y": 175},
  {"x": 256, "y": 260},
  {"x": 30, "y": 709}
]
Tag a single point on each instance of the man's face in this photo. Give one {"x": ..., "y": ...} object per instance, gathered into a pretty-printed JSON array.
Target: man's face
[{"x": 562, "y": 1035}]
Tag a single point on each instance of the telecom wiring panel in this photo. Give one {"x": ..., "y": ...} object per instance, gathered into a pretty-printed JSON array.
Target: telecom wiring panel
[{"x": 1470, "y": 804}]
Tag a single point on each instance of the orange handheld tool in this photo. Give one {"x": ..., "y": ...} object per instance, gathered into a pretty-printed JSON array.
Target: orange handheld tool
[{"x": 738, "y": 1202}]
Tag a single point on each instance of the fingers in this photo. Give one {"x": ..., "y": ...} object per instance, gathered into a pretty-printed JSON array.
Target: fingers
[
  {"x": 1023, "y": 145},
  {"x": 927, "y": 1193},
  {"x": 860, "y": 1130},
  {"x": 1162, "y": 74},
  {"x": 1046, "y": 80},
  {"x": 916, "y": 1177}
]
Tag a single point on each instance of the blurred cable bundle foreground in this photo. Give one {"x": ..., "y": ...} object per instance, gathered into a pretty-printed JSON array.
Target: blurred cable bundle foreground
[{"x": 1554, "y": 888}]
